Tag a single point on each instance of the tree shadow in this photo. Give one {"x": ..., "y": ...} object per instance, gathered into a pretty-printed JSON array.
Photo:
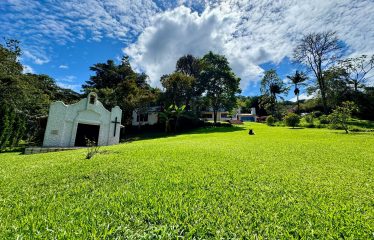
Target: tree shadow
[
  {"x": 296, "y": 128},
  {"x": 203, "y": 130},
  {"x": 355, "y": 133}
]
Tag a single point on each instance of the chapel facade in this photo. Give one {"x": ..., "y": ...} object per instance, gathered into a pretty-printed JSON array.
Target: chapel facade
[{"x": 71, "y": 125}]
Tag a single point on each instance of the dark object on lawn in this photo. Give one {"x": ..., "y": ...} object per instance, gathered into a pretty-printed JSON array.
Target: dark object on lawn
[{"x": 251, "y": 132}]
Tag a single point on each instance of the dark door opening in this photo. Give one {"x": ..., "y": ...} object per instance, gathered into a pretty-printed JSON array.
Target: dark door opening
[{"x": 88, "y": 131}]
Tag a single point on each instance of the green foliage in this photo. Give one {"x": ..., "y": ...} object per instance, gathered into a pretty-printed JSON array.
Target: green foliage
[
  {"x": 292, "y": 120},
  {"x": 214, "y": 183},
  {"x": 121, "y": 85},
  {"x": 317, "y": 51},
  {"x": 297, "y": 80},
  {"x": 271, "y": 86},
  {"x": 9, "y": 58},
  {"x": 340, "y": 116},
  {"x": 324, "y": 119},
  {"x": 219, "y": 81},
  {"x": 357, "y": 71},
  {"x": 270, "y": 120},
  {"x": 24, "y": 98},
  {"x": 179, "y": 88},
  {"x": 172, "y": 113}
]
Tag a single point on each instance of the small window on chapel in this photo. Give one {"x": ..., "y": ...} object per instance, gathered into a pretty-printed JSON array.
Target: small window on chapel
[{"x": 92, "y": 99}]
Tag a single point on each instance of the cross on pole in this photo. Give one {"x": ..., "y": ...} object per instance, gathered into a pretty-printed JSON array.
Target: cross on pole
[{"x": 115, "y": 126}]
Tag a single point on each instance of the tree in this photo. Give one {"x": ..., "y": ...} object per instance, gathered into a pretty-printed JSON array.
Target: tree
[
  {"x": 341, "y": 115},
  {"x": 318, "y": 51},
  {"x": 9, "y": 58},
  {"x": 271, "y": 86},
  {"x": 191, "y": 66},
  {"x": 358, "y": 70},
  {"x": 179, "y": 88},
  {"x": 219, "y": 81},
  {"x": 188, "y": 65},
  {"x": 166, "y": 116},
  {"x": 337, "y": 89},
  {"x": 297, "y": 79},
  {"x": 119, "y": 84},
  {"x": 178, "y": 112}
]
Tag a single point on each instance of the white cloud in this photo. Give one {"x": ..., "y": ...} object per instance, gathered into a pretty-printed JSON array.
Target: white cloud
[
  {"x": 68, "y": 82},
  {"x": 69, "y": 79},
  {"x": 27, "y": 69},
  {"x": 74, "y": 87},
  {"x": 175, "y": 33},
  {"x": 303, "y": 96},
  {"x": 248, "y": 33},
  {"x": 37, "y": 57},
  {"x": 63, "y": 66}
]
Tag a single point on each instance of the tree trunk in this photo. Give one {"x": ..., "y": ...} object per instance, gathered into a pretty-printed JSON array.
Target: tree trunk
[{"x": 298, "y": 104}]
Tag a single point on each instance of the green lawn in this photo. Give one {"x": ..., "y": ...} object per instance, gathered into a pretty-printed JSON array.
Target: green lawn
[{"x": 216, "y": 183}]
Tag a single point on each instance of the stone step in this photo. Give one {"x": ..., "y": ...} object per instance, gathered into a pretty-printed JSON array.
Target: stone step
[{"x": 34, "y": 150}]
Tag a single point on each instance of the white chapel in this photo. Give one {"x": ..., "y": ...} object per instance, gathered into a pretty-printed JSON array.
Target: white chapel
[{"x": 71, "y": 125}]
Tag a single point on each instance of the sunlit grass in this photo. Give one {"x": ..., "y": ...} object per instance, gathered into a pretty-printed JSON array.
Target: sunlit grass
[{"x": 214, "y": 183}]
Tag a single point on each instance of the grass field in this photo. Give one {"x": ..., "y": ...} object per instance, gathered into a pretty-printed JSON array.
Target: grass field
[{"x": 212, "y": 183}]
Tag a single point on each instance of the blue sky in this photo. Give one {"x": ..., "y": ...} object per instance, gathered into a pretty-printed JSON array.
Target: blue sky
[{"x": 64, "y": 38}]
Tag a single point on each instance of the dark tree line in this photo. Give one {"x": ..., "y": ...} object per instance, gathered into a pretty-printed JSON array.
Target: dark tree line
[{"x": 24, "y": 98}]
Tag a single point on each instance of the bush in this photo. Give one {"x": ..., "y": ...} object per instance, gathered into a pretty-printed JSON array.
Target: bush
[
  {"x": 292, "y": 120},
  {"x": 270, "y": 120},
  {"x": 317, "y": 114},
  {"x": 309, "y": 118},
  {"x": 324, "y": 119}
]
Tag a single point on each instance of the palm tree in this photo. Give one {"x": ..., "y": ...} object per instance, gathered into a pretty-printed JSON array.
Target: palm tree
[
  {"x": 297, "y": 79},
  {"x": 172, "y": 112},
  {"x": 178, "y": 112},
  {"x": 167, "y": 116},
  {"x": 271, "y": 86}
]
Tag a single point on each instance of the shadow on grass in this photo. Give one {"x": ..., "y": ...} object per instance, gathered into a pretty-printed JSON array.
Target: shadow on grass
[
  {"x": 204, "y": 130},
  {"x": 15, "y": 150},
  {"x": 355, "y": 133}
]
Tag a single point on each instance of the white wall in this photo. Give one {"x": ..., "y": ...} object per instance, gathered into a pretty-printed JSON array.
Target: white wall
[
  {"x": 152, "y": 119},
  {"x": 63, "y": 122}
]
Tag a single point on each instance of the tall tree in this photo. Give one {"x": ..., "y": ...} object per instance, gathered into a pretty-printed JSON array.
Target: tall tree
[
  {"x": 271, "y": 86},
  {"x": 318, "y": 51},
  {"x": 358, "y": 70},
  {"x": 9, "y": 58},
  {"x": 24, "y": 98},
  {"x": 188, "y": 65},
  {"x": 297, "y": 79},
  {"x": 219, "y": 81},
  {"x": 179, "y": 88},
  {"x": 119, "y": 84}
]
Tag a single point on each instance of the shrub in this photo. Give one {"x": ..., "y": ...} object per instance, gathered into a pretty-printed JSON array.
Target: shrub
[
  {"x": 92, "y": 148},
  {"x": 270, "y": 120},
  {"x": 292, "y": 120},
  {"x": 317, "y": 114},
  {"x": 309, "y": 118},
  {"x": 324, "y": 119}
]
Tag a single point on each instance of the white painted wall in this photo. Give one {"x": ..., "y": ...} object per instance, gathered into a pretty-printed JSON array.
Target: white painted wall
[
  {"x": 63, "y": 122},
  {"x": 152, "y": 119}
]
